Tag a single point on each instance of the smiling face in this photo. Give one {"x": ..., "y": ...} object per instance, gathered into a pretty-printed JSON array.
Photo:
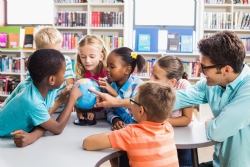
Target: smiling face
[
  {"x": 212, "y": 74},
  {"x": 160, "y": 75},
  {"x": 90, "y": 57}
]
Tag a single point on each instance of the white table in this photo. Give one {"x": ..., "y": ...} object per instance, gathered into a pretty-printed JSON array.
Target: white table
[
  {"x": 192, "y": 137},
  {"x": 65, "y": 150}
]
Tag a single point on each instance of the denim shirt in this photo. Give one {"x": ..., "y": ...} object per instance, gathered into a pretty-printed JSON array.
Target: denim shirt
[
  {"x": 128, "y": 90},
  {"x": 231, "y": 109}
]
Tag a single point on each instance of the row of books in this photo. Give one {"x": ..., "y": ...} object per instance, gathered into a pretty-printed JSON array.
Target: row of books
[
  {"x": 190, "y": 67},
  {"x": 241, "y": 1},
  {"x": 106, "y": 1},
  {"x": 147, "y": 69},
  {"x": 70, "y": 40},
  {"x": 70, "y": 1},
  {"x": 246, "y": 42},
  {"x": 8, "y": 84},
  {"x": 9, "y": 40},
  {"x": 217, "y": 20},
  {"x": 226, "y": 1},
  {"x": 71, "y": 19},
  {"x": 107, "y": 19},
  {"x": 11, "y": 64},
  {"x": 241, "y": 20},
  {"x": 215, "y": 1},
  {"x": 112, "y": 42}
]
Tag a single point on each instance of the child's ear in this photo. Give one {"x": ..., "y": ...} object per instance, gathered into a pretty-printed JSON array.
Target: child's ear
[
  {"x": 52, "y": 80},
  {"x": 142, "y": 111},
  {"x": 173, "y": 81},
  {"x": 128, "y": 70}
]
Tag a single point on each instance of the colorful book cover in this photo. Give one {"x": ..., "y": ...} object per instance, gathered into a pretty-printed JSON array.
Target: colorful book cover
[
  {"x": 144, "y": 42},
  {"x": 13, "y": 41},
  {"x": 3, "y": 40},
  {"x": 186, "y": 43}
]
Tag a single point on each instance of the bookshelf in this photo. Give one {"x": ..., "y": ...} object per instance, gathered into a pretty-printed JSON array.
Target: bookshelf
[{"x": 94, "y": 18}]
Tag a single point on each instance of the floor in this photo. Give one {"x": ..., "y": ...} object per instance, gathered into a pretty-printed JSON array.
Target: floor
[{"x": 205, "y": 154}]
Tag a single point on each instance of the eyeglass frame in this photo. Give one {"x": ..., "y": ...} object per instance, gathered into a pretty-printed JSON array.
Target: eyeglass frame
[
  {"x": 134, "y": 102},
  {"x": 209, "y": 67}
]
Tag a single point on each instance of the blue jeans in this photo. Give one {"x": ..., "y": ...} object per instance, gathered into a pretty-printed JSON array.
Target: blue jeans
[
  {"x": 206, "y": 164},
  {"x": 185, "y": 157}
]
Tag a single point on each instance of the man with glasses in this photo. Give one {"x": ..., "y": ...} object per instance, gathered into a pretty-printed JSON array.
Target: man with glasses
[{"x": 226, "y": 88}]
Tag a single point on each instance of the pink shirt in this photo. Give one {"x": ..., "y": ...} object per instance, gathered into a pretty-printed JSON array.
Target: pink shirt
[
  {"x": 95, "y": 76},
  {"x": 181, "y": 84}
]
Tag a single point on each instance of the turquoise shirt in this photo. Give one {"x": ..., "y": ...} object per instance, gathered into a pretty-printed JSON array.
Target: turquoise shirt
[
  {"x": 26, "y": 110},
  {"x": 231, "y": 109}
]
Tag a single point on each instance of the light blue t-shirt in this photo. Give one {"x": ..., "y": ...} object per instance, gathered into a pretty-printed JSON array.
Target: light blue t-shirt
[
  {"x": 231, "y": 109},
  {"x": 26, "y": 110},
  {"x": 23, "y": 84}
]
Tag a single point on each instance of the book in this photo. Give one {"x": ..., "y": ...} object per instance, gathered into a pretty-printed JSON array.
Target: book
[
  {"x": 13, "y": 41},
  {"x": 186, "y": 43},
  {"x": 144, "y": 42},
  {"x": 173, "y": 42},
  {"x": 3, "y": 40}
]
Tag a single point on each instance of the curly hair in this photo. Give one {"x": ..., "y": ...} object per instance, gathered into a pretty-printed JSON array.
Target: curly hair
[
  {"x": 43, "y": 63},
  {"x": 224, "y": 48}
]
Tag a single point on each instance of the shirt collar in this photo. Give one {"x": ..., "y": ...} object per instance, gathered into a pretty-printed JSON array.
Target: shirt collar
[
  {"x": 245, "y": 72},
  {"x": 125, "y": 86}
]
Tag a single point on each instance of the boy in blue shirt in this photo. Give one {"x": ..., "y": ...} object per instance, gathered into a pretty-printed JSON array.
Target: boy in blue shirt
[{"x": 31, "y": 107}]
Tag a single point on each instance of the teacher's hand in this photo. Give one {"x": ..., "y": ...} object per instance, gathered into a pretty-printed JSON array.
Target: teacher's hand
[{"x": 104, "y": 99}]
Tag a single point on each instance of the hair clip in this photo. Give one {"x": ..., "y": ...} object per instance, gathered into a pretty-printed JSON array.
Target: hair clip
[{"x": 133, "y": 55}]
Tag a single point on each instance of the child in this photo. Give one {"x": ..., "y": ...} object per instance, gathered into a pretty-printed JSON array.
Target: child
[
  {"x": 29, "y": 109},
  {"x": 121, "y": 63},
  {"x": 151, "y": 141},
  {"x": 47, "y": 38},
  {"x": 169, "y": 69},
  {"x": 90, "y": 63}
]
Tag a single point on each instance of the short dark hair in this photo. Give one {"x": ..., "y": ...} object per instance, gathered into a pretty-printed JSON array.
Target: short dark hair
[
  {"x": 157, "y": 99},
  {"x": 125, "y": 54},
  {"x": 224, "y": 48},
  {"x": 43, "y": 63}
]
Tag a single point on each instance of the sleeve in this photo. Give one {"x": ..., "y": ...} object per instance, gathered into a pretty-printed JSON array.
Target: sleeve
[
  {"x": 20, "y": 87},
  {"x": 191, "y": 96},
  {"x": 110, "y": 113},
  {"x": 69, "y": 71},
  {"x": 119, "y": 139},
  {"x": 39, "y": 114},
  {"x": 232, "y": 118}
]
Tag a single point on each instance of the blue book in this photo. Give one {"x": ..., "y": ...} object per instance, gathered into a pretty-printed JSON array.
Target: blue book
[
  {"x": 144, "y": 42},
  {"x": 186, "y": 43}
]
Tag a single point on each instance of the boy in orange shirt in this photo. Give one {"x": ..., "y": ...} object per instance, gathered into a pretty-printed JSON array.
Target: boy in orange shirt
[{"x": 151, "y": 141}]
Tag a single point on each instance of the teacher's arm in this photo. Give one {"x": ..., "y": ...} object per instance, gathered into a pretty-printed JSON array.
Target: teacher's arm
[{"x": 106, "y": 100}]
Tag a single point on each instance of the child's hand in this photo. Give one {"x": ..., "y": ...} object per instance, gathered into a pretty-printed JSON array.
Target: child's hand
[
  {"x": 22, "y": 138},
  {"x": 104, "y": 84},
  {"x": 75, "y": 92},
  {"x": 118, "y": 124},
  {"x": 64, "y": 95}
]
